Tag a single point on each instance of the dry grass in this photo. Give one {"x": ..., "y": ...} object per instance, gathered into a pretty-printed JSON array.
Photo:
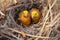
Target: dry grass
[{"x": 48, "y": 27}]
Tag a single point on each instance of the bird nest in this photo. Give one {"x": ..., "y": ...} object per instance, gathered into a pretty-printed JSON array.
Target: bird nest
[{"x": 48, "y": 27}]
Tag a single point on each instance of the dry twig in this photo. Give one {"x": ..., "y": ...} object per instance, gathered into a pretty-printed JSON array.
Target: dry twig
[{"x": 27, "y": 34}]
